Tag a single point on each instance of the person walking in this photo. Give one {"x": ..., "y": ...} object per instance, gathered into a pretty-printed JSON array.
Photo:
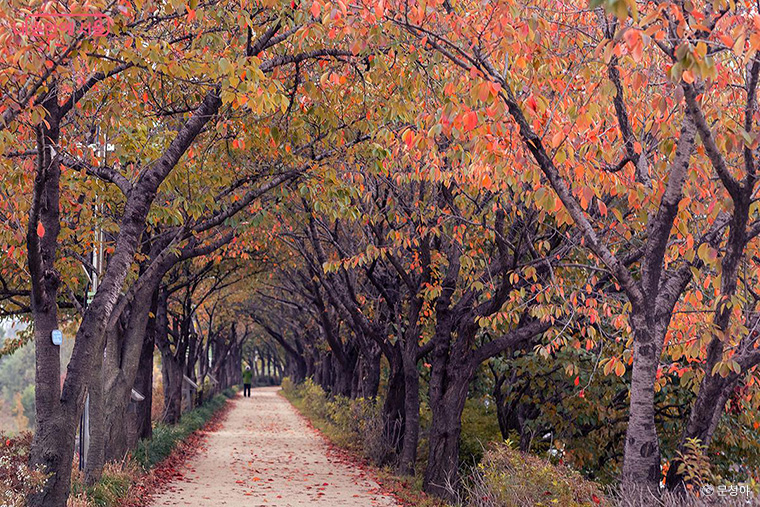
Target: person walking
[{"x": 247, "y": 374}]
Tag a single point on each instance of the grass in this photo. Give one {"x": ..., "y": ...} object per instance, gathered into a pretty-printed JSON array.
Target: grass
[{"x": 165, "y": 437}]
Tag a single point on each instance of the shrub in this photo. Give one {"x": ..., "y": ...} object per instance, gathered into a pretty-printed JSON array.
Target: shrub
[
  {"x": 17, "y": 479},
  {"x": 356, "y": 424},
  {"x": 508, "y": 478},
  {"x": 288, "y": 386}
]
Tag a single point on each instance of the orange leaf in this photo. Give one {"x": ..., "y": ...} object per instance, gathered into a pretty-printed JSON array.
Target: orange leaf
[
  {"x": 40, "y": 229},
  {"x": 558, "y": 138},
  {"x": 408, "y": 138}
]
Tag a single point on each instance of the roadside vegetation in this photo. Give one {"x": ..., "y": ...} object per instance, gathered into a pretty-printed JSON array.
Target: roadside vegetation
[
  {"x": 497, "y": 475},
  {"x": 124, "y": 483}
]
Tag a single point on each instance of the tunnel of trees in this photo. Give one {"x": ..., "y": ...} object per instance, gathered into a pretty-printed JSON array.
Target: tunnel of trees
[{"x": 546, "y": 207}]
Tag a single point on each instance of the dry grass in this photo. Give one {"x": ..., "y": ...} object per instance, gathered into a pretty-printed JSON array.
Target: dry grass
[
  {"x": 509, "y": 478},
  {"x": 639, "y": 498}
]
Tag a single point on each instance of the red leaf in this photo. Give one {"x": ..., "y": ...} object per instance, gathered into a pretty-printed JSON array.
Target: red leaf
[
  {"x": 532, "y": 103},
  {"x": 40, "y": 229},
  {"x": 577, "y": 380},
  {"x": 315, "y": 9},
  {"x": 470, "y": 120}
]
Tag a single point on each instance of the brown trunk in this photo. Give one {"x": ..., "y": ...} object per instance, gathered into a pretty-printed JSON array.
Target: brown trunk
[
  {"x": 714, "y": 389},
  {"x": 411, "y": 408},
  {"x": 144, "y": 383},
  {"x": 703, "y": 420},
  {"x": 441, "y": 475},
  {"x": 393, "y": 407},
  {"x": 172, "y": 365},
  {"x": 370, "y": 382},
  {"x": 53, "y": 445},
  {"x": 641, "y": 463},
  {"x": 172, "y": 376}
]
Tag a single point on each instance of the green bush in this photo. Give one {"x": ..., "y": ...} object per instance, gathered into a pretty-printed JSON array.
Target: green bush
[{"x": 165, "y": 437}]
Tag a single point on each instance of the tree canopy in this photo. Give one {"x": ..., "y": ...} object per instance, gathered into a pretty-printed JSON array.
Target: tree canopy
[{"x": 554, "y": 202}]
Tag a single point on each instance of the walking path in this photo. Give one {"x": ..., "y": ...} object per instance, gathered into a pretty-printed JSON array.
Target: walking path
[{"x": 265, "y": 454}]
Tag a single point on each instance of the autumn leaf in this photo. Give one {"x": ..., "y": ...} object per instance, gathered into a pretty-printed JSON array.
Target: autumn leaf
[
  {"x": 408, "y": 138},
  {"x": 470, "y": 120},
  {"x": 315, "y": 9},
  {"x": 532, "y": 104},
  {"x": 40, "y": 229}
]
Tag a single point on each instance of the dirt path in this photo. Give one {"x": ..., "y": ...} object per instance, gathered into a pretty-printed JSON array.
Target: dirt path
[{"x": 265, "y": 454}]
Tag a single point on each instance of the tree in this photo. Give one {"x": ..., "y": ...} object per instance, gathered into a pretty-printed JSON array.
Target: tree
[
  {"x": 140, "y": 174},
  {"x": 558, "y": 126}
]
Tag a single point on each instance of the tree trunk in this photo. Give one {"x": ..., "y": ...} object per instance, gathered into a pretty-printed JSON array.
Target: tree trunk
[
  {"x": 394, "y": 421},
  {"x": 116, "y": 424},
  {"x": 58, "y": 409},
  {"x": 441, "y": 474},
  {"x": 110, "y": 415},
  {"x": 371, "y": 373},
  {"x": 53, "y": 444},
  {"x": 172, "y": 365},
  {"x": 411, "y": 408},
  {"x": 641, "y": 463},
  {"x": 703, "y": 420},
  {"x": 299, "y": 369},
  {"x": 343, "y": 373},
  {"x": 95, "y": 451},
  {"x": 172, "y": 376},
  {"x": 144, "y": 385}
]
